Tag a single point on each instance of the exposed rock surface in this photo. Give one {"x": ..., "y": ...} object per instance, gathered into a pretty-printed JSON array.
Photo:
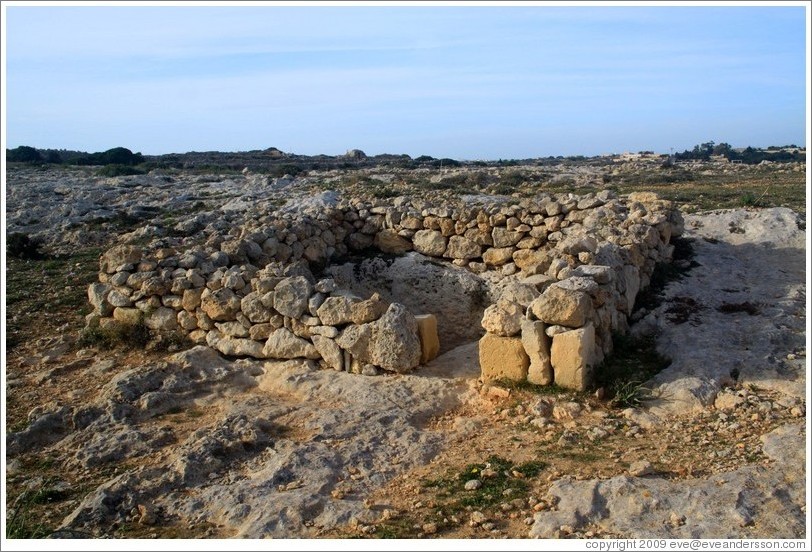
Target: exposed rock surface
[
  {"x": 723, "y": 506},
  {"x": 269, "y": 460}
]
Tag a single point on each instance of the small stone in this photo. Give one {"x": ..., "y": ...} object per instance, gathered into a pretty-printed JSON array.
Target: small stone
[
  {"x": 641, "y": 468},
  {"x": 473, "y": 485},
  {"x": 477, "y": 518},
  {"x": 430, "y": 528}
]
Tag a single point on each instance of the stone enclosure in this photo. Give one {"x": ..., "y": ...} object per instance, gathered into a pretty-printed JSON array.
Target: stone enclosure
[{"x": 550, "y": 278}]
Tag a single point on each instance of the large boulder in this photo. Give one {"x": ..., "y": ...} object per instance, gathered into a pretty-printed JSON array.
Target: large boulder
[
  {"x": 558, "y": 306},
  {"x": 389, "y": 241},
  {"x": 234, "y": 346},
  {"x": 97, "y": 295},
  {"x": 503, "y": 319},
  {"x": 284, "y": 344},
  {"x": 368, "y": 310},
  {"x": 394, "y": 344},
  {"x": 502, "y": 237},
  {"x": 329, "y": 351},
  {"x": 497, "y": 256},
  {"x": 119, "y": 255},
  {"x": 462, "y": 248},
  {"x": 192, "y": 299},
  {"x": 161, "y": 319},
  {"x": 220, "y": 305},
  {"x": 291, "y": 296},
  {"x": 532, "y": 261},
  {"x": 355, "y": 339},
  {"x": 429, "y": 242},
  {"x": 335, "y": 311},
  {"x": 254, "y": 309}
]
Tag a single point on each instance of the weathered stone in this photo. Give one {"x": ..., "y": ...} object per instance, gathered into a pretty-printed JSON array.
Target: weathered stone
[
  {"x": 315, "y": 301},
  {"x": 291, "y": 296},
  {"x": 234, "y": 346},
  {"x": 172, "y": 301},
  {"x": 575, "y": 244},
  {"x": 232, "y": 329},
  {"x": 462, "y": 248},
  {"x": 97, "y": 295},
  {"x": 368, "y": 310},
  {"x": 154, "y": 286},
  {"x": 429, "y": 242},
  {"x": 573, "y": 355},
  {"x": 119, "y": 255},
  {"x": 260, "y": 332},
  {"x": 394, "y": 344},
  {"x": 519, "y": 293},
  {"x": 502, "y": 357},
  {"x": 359, "y": 241},
  {"x": 191, "y": 299},
  {"x": 497, "y": 256},
  {"x": 203, "y": 320},
  {"x": 252, "y": 307},
  {"x": 220, "y": 305},
  {"x": 355, "y": 340},
  {"x": 532, "y": 261},
  {"x": 315, "y": 251},
  {"x": 327, "y": 285},
  {"x": 162, "y": 319},
  {"x": 503, "y": 319},
  {"x": 335, "y": 311},
  {"x": 537, "y": 346},
  {"x": 282, "y": 343},
  {"x": 429, "y": 339},
  {"x": 559, "y": 306},
  {"x": 187, "y": 320},
  {"x": 233, "y": 280},
  {"x": 198, "y": 336},
  {"x": 601, "y": 274},
  {"x": 326, "y": 331},
  {"x": 128, "y": 316},
  {"x": 389, "y": 241},
  {"x": 641, "y": 468},
  {"x": 502, "y": 237},
  {"x": 118, "y": 299},
  {"x": 329, "y": 351},
  {"x": 119, "y": 279},
  {"x": 631, "y": 278}
]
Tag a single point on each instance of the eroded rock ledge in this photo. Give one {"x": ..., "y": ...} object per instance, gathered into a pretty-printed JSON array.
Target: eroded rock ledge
[{"x": 563, "y": 274}]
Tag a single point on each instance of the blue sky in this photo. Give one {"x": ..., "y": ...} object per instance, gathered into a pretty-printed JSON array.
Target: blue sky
[{"x": 462, "y": 82}]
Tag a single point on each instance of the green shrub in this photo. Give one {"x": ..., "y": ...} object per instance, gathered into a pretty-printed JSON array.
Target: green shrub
[
  {"x": 22, "y": 246},
  {"x": 749, "y": 199},
  {"x": 119, "y": 170},
  {"x": 117, "y": 334}
]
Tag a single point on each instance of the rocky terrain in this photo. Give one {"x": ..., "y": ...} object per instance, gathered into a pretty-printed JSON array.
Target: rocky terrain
[{"x": 177, "y": 440}]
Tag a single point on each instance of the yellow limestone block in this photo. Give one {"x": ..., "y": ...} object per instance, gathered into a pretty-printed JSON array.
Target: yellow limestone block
[
  {"x": 502, "y": 357},
  {"x": 429, "y": 341}
]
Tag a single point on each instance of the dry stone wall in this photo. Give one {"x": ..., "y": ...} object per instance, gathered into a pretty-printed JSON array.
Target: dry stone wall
[{"x": 570, "y": 268}]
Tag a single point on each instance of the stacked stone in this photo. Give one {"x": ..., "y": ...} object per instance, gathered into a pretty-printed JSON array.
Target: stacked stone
[
  {"x": 598, "y": 250},
  {"x": 278, "y": 312},
  {"x": 557, "y": 326}
]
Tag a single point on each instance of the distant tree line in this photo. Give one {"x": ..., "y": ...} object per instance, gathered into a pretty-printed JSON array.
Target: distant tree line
[
  {"x": 749, "y": 155},
  {"x": 115, "y": 156}
]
